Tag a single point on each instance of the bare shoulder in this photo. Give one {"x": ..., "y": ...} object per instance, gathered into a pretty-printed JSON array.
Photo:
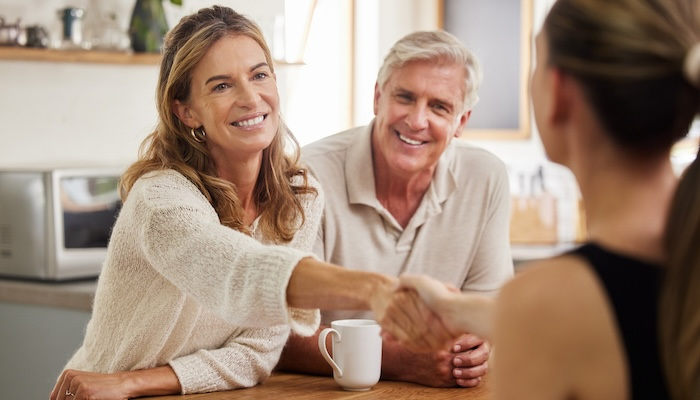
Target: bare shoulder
[
  {"x": 558, "y": 278},
  {"x": 554, "y": 322},
  {"x": 545, "y": 297}
]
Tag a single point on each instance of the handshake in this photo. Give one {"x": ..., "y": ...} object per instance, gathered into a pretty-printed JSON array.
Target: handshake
[{"x": 426, "y": 315}]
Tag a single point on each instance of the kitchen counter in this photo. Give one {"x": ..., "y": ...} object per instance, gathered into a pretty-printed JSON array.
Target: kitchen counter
[
  {"x": 74, "y": 295},
  {"x": 530, "y": 252}
]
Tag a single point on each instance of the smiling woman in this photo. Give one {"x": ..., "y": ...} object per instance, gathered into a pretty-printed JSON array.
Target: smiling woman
[
  {"x": 209, "y": 259},
  {"x": 213, "y": 182}
]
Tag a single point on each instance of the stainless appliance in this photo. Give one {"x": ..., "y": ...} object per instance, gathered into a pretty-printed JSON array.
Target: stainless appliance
[{"x": 55, "y": 222}]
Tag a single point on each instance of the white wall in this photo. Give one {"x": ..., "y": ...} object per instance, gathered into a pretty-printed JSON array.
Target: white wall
[
  {"x": 60, "y": 112},
  {"x": 317, "y": 100},
  {"x": 73, "y": 114}
]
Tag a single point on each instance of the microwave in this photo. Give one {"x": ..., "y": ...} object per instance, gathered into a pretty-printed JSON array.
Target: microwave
[{"x": 55, "y": 223}]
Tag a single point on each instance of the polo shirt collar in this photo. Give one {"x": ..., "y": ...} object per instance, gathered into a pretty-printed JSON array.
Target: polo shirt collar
[{"x": 359, "y": 169}]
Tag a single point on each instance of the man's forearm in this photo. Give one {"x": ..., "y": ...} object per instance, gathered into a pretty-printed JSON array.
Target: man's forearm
[
  {"x": 431, "y": 369},
  {"x": 301, "y": 354}
]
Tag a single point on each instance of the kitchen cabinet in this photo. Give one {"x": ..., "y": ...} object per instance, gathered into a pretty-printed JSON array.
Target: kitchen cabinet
[
  {"x": 41, "y": 325},
  {"x": 35, "y": 344}
]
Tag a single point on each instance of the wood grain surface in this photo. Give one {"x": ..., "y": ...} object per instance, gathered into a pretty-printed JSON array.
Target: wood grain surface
[{"x": 282, "y": 385}]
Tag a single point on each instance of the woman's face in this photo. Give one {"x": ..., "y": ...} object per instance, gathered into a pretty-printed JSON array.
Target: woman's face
[{"x": 234, "y": 100}]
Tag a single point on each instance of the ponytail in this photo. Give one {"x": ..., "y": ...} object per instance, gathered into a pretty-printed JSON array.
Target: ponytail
[{"x": 679, "y": 307}]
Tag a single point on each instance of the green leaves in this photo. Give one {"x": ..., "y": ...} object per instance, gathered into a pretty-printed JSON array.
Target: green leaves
[{"x": 147, "y": 26}]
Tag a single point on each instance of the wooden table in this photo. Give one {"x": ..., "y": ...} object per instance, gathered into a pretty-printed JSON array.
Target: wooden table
[{"x": 282, "y": 385}]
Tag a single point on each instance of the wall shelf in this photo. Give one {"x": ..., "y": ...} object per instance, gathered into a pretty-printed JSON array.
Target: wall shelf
[
  {"x": 18, "y": 53},
  {"x": 77, "y": 56}
]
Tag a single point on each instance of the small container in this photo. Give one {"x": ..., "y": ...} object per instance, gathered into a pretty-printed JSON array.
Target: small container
[
  {"x": 37, "y": 36},
  {"x": 9, "y": 33},
  {"x": 72, "y": 19}
]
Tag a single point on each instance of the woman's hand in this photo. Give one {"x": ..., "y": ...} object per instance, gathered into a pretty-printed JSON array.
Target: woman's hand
[
  {"x": 410, "y": 322},
  {"x": 459, "y": 312},
  {"x": 432, "y": 291},
  {"x": 83, "y": 385},
  {"x": 74, "y": 384}
]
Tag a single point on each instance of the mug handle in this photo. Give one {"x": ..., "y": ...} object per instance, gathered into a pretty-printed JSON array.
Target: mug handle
[{"x": 324, "y": 350}]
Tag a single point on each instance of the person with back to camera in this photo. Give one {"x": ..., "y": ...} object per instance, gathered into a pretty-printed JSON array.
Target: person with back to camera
[
  {"x": 209, "y": 262},
  {"x": 617, "y": 83},
  {"x": 402, "y": 195}
]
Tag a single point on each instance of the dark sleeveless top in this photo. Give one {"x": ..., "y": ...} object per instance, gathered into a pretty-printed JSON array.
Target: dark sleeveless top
[{"x": 633, "y": 287}]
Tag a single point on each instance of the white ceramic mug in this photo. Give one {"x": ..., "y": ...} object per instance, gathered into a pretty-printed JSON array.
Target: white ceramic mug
[{"x": 357, "y": 352}]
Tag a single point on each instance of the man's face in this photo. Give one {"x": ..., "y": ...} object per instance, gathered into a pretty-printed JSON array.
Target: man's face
[{"x": 418, "y": 112}]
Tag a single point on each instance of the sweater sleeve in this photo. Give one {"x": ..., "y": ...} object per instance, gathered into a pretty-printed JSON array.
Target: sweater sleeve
[
  {"x": 245, "y": 360},
  {"x": 249, "y": 355},
  {"x": 231, "y": 274}
]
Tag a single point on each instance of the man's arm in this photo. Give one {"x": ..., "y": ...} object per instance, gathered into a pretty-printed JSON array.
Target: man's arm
[
  {"x": 438, "y": 369},
  {"x": 463, "y": 365},
  {"x": 301, "y": 354}
]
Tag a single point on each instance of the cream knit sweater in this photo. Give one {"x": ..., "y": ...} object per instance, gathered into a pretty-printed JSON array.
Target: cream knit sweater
[{"x": 179, "y": 288}]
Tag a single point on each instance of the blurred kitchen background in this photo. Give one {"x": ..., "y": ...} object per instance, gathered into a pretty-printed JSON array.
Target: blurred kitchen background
[
  {"x": 93, "y": 109},
  {"x": 74, "y": 94}
]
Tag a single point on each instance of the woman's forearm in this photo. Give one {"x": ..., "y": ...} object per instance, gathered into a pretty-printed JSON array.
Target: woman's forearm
[
  {"x": 152, "y": 382},
  {"x": 467, "y": 312},
  {"x": 316, "y": 284}
]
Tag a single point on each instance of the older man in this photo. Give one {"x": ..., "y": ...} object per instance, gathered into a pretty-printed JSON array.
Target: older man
[{"x": 403, "y": 196}]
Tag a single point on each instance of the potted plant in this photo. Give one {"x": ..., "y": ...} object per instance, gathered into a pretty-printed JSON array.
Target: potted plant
[{"x": 148, "y": 25}]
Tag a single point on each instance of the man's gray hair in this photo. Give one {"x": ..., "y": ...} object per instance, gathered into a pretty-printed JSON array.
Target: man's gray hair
[{"x": 435, "y": 46}]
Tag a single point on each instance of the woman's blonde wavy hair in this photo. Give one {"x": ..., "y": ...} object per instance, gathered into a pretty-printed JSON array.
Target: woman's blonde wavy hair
[{"x": 171, "y": 146}]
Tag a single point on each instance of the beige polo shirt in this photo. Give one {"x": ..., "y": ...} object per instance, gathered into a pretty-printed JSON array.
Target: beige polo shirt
[{"x": 459, "y": 233}]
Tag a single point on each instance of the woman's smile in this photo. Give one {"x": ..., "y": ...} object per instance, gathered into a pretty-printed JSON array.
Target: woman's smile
[{"x": 253, "y": 122}]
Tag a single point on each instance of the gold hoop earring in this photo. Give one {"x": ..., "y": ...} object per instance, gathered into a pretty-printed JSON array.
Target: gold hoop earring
[{"x": 194, "y": 136}]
